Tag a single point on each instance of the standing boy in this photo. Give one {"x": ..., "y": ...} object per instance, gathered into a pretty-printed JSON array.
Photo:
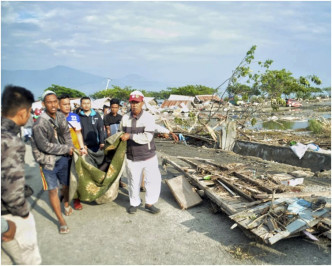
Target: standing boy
[
  {"x": 75, "y": 132},
  {"x": 15, "y": 111},
  {"x": 51, "y": 146},
  {"x": 92, "y": 126}
]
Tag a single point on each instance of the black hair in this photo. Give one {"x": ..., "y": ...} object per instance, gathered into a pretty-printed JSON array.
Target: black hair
[
  {"x": 63, "y": 96},
  {"x": 15, "y": 98},
  {"x": 85, "y": 98},
  {"x": 105, "y": 106},
  {"x": 115, "y": 101}
]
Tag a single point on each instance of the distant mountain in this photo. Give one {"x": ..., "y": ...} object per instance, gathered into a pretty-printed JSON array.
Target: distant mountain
[{"x": 38, "y": 80}]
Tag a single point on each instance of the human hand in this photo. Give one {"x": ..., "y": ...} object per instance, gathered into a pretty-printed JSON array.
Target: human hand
[
  {"x": 175, "y": 137},
  {"x": 71, "y": 151},
  {"x": 9, "y": 235},
  {"x": 125, "y": 136},
  {"x": 101, "y": 146},
  {"x": 83, "y": 151}
]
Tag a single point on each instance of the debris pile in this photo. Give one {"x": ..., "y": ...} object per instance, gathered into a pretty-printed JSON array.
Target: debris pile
[{"x": 271, "y": 207}]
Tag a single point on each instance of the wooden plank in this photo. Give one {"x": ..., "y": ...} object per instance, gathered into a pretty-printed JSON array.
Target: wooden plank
[
  {"x": 208, "y": 192},
  {"x": 183, "y": 192},
  {"x": 306, "y": 220},
  {"x": 259, "y": 208},
  {"x": 327, "y": 234},
  {"x": 255, "y": 182},
  {"x": 224, "y": 180},
  {"x": 294, "y": 194},
  {"x": 235, "y": 188}
]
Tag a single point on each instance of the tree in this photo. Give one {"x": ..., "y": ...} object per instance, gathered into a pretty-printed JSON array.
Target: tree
[
  {"x": 60, "y": 90},
  {"x": 327, "y": 90},
  {"x": 116, "y": 92},
  {"x": 275, "y": 83},
  {"x": 191, "y": 90}
]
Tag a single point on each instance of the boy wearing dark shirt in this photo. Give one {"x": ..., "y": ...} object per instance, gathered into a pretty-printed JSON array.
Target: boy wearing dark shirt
[{"x": 112, "y": 120}]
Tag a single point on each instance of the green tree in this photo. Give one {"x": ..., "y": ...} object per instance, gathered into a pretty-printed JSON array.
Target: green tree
[
  {"x": 116, "y": 92},
  {"x": 192, "y": 90},
  {"x": 327, "y": 90},
  {"x": 275, "y": 83},
  {"x": 60, "y": 90}
]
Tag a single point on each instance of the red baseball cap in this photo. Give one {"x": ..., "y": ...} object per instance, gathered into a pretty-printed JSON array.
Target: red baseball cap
[{"x": 136, "y": 96}]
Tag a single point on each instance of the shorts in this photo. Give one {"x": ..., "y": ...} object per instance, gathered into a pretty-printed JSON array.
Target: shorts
[{"x": 60, "y": 173}]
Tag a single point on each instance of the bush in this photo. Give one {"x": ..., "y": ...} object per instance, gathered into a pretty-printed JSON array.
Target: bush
[{"x": 316, "y": 126}]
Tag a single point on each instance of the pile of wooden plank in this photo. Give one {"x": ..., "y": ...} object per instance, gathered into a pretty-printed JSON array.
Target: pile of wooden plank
[{"x": 265, "y": 206}]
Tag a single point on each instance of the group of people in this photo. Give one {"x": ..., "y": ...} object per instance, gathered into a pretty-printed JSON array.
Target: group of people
[{"x": 55, "y": 135}]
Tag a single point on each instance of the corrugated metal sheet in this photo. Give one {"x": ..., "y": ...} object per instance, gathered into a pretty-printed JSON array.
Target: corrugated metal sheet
[
  {"x": 170, "y": 104},
  {"x": 204, "y": 98},
  {"x": 174, "y": 97}
]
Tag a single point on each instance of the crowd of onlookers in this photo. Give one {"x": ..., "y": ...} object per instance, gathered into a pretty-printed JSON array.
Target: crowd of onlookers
[{"x": 55, "y": 134}]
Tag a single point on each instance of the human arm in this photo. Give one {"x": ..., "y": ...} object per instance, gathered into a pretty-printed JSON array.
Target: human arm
[
  {"x": 44, "y": 136},
  {"x": 83, "y": 149},
  {"x": 145, "y": 123},
  {"x": 8, "y": 230},
  {"x": 13, "y": 178},
  {"x": 101, "y": 132},
  {"x": 162, "y": 130},
  {"x": 107, "y": 125},
  {"x": 108, "y": 130},
  {"x": 166, "y": 132}
]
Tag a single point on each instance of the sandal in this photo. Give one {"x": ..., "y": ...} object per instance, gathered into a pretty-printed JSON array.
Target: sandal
[
  {"x": 77, "y": 204},
  {"x": 63, "y": 229},
  {"x": 68, "y": 210}
]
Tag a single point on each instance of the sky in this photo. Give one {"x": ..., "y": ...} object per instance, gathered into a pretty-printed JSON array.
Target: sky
[{"x": 174, "y": 42}]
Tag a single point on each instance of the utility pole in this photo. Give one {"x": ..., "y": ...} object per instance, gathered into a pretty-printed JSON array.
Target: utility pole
[{"x": 108, "y": 81}]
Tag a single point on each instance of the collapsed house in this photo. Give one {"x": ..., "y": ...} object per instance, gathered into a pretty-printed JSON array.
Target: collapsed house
[
  {"x": 182, "y": 102},
  {"x": 268, "y": 208}
]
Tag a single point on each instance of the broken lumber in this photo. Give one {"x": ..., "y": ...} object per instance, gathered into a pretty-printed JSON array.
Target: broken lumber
[
  {"x": 226, "y": 208},
  {"x": 295, "y": 194},
  {"x": 183, "y": 192}
]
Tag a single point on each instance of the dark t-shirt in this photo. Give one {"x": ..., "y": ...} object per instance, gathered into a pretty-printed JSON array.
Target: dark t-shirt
[{"x": 109, "y": 119}]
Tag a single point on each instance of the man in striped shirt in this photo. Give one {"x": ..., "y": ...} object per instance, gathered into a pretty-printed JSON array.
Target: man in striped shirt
[{"x": 139, "y": 127}]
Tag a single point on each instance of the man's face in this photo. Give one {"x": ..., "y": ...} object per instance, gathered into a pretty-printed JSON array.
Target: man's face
[
  {"x": 86, "y": 105},
  {"x": 51, "y": 104},
  {"x": 114, "y": 109},
  {"x": 64, "y": 105},
  {"x": 106, "y": 111},
  {"x": 136, "y": 107}
]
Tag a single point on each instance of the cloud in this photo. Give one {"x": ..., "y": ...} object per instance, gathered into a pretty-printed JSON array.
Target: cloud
[{"x": 104, "y": 34}]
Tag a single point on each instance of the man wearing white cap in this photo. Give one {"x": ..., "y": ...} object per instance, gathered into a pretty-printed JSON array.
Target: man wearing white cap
[
  {"x": 51, "y": 147},
  {"x": 139, "y": 127}
]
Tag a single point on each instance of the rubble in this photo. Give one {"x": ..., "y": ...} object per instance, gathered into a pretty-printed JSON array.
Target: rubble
[{"x": 261, "y": 205}]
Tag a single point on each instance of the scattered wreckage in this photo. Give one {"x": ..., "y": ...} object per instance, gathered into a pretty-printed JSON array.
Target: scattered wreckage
[{"x": 269, "y": 208}]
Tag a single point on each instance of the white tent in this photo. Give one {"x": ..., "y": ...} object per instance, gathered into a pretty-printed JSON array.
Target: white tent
[
  {"x": 99, "y": 103},
  {"x": 73, "y": 102},
  {"x": 36, "y": 105}
]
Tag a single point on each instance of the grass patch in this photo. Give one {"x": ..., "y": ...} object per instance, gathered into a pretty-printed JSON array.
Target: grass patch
[{"x": 320, "y": 127}]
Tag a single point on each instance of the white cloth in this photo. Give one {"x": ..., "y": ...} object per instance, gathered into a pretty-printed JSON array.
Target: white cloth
[
  {"x": 152, "y": 180},
  {"x": 23, "y": 249},
  {"x": 299, "y": 149}
]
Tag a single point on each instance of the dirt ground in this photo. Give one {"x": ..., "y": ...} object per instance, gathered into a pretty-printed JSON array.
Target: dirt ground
[{"x": 107, "y": 235}]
